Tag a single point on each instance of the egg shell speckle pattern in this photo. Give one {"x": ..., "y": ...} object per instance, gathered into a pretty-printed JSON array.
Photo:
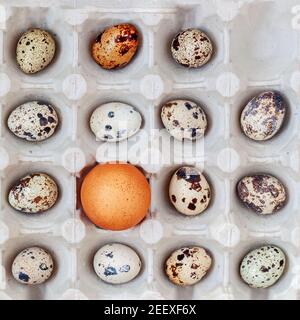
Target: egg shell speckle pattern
[
  {"x": 35, "y": 50},
  {"x": 189, "y": 191},
  {"x": 115, "y": 46},
  {"x": 192, "y": 48},
  {"x": 117, "y": 263},
  {"x": 184, "y": 119},
  {"x": 263, "y": 116},
  {"x": 33, "y": 121},
  {"x": 32, "y": 266},
  {"x": 187, "y": 266},
  {"x": 262, "y": 267},
  {"x": 34, "y": 193},
  {"x": 262, "y": 193},
  {"x": 115, "y": 121}
]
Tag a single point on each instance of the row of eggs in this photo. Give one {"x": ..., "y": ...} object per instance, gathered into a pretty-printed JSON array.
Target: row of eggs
[
  {"x": 113, "y": 48},
  {"x": 260, "y": 119},
  {"x": 117, "y": 263},
  {"x": 117, "y": 196}
]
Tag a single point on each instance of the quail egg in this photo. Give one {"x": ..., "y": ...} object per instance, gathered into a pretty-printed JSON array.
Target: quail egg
[
  {"x": 189, "y": 191},
  {"x": 34, "y": 193},
  {"x": 115, "y": 46},
  {"x": 192, "y": 48},
  {"x": 32, "y": 266},
  {"x": 184, "y": 119},
  {"x": 33, "y": 121},
  {"x": 188, "y": 265},
  {"x": 117, "y": 263},
  {"x": 35, "y": 50},
  {"x": 115, "y": 121},
  {"x": 262, "y": 193},
  {"x": 263, "y": 116},
  {"x": 262, "y": 267}
]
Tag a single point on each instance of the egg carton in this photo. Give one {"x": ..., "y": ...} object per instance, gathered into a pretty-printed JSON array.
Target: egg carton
[{"x": 257, "y": 48}]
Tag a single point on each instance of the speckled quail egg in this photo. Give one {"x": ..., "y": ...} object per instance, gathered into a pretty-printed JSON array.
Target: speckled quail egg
[
  {"x": 34, "y": 193},
  {"x": 189, "y": 191},
  {"x": 32, "y": 266},
  {"x": 262, "y": 193},
  {"x": 117, "y": 263},
  {"x": 262, "y": 267},
  {"x": 192, "y": 48},
  {"x": 188, "y": 265},
  {"x": 184, "y": 119},
  {"x": 33, "y": 121},
  {"x": 115, "y": 46},
  {"x": 115, "y": 121},
  {"x": 263, "y": 116},
  {"x": 35, "y": 50}
]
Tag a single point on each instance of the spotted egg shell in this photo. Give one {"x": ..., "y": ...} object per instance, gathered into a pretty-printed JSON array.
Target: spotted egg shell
[
  {"x": 189, "y": 191},
  {"x": 32, "y": 266},
  {"x": 263, "y": 116},
  {"x": 115, "y": 121},
  {"x": 117, "y": 263},
  {"x": 35, "y": 50},
  {"x": 188, "y": 265},
  {"x": 184, "y": 119},
  {"x": 262, "y": 267},
  {"x": 33, "y": 121},
  {"x": 192, "y": 48},
  {"x": 34, "y": 193},
  {"x": 262, "y": 193},
  {"x": 115, "y": 46}
]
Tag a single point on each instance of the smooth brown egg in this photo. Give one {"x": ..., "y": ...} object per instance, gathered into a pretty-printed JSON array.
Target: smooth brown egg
[
  {"x": 115, "y": 46},
  {"x": 115, "y": 196}
]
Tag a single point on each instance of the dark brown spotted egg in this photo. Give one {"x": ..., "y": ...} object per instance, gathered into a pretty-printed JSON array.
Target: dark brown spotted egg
[
  {"x": 262, "y": 193},
  {"x": 188, "y": 265},
  {"x": 189, "y": 191},
  {"x": 33, "y": 121},
  {"x": 263, "y": 116},
  {"x": 262, "y": 267},
  {"x": 35, "y": 50},
  {"x": 184, "y": 119},
  {"x": 32, "y": 266},
  {"x": 115, "y": 46},
  {"x": 34, "y": 193},
  {"x": 192, "y": 48}
]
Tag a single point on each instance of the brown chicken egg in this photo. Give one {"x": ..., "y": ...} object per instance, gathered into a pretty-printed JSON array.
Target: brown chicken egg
[
  {"x": 115, "y": 196},
  {"x": 115, "y": 46}
]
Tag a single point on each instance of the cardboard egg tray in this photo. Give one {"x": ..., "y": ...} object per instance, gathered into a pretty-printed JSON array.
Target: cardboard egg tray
[{"x": 257, "y": 48}]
